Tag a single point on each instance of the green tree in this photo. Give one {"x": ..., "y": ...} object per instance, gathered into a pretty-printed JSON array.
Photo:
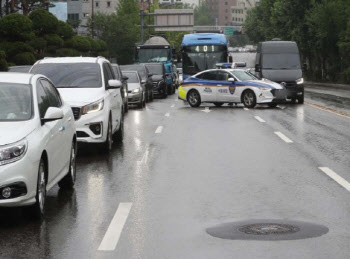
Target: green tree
[
  {"x": 202, "y": 15},
  {"x": 44, "y": 22},
  {"x": 15, "y": 27}
]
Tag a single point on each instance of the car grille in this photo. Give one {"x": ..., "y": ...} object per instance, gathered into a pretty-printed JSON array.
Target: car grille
[
  {"x": 289, "y": 85},
  {"x": 279, "y": 93},
  {"x": 76, "y": 112},
  {"x": 155, "y": 84}
]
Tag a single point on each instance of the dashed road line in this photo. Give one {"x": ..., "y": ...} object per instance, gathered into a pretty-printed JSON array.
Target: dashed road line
[
  {"x": 159, "y": 130},
  {"x": 167, "y": 114},
  {"x": 336, "y": 177},
  {"x": 111, "y": 238},
  {"x": 283, "y": 137},
  {"x": 246, "y": 109},
  {"x": 172, "y": 106},
  {"x": 259, "y": 119}
]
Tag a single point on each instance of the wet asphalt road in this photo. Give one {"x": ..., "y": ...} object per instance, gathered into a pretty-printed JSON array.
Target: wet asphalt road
[{"x": 202, "y": 168}]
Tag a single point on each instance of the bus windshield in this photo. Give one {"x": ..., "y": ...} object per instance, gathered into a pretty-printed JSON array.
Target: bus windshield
[
  {"x": 199, "y": 58},
  {"x": 153, "y": 55}
]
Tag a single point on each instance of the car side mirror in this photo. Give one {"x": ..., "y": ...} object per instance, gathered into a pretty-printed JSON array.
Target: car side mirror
[
  {"x": 125, "y": 78},
  {"x": 232, "y": 80},
  {"x": 114, "y": 84},
  {"x": 150, "y": 75},
  {"x": 304, "y": 67},
  {"x": 52, "y": 114},
  {"x": 257, "y": 68},
  {"x": 143, "y": 81}
]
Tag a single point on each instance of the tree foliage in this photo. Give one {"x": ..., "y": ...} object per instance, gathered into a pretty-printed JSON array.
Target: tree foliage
[
  {"x": 318, "y": 26},
  {"x": 202, "y": 15}
]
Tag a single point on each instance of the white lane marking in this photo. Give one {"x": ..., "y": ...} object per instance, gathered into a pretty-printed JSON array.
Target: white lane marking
[
  {"x": 167, "y": 114},
  {"x": 176, "y": 100},
  {"x": 206, "y": 110},
  {"x": 246, "y": 109},
  {"x": 172, "y": 106},
  {"x": 282, "y": 136},
  {"x": 259, "y": 119},
  {"x": 336, "y": 177},
  {"x": 159, "y": 130},
  {"x": 111, "y": 238}
]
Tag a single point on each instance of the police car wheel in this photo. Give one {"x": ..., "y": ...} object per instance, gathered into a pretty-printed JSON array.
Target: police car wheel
[
  {"x": 218, "y": 104},
  {"x": 194, "y": 98},
  {"x": 249, "y": 99}
]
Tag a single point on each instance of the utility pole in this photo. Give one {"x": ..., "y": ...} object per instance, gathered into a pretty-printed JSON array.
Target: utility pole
[
  {"x": 92, "y": 19},
  {"x": 142, "y": 14}
]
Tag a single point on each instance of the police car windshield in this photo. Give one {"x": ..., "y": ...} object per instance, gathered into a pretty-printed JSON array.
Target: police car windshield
[{"x": 242, "y": 75}]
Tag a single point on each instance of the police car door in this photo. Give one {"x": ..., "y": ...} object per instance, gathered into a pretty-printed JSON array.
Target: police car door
[
  {"x": 225, "y": 89},
  {"x": 206, "y": 86}
]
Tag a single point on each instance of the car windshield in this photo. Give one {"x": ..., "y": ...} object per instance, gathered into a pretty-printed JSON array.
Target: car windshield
[
  {"x": 153, "y": 55},
  {"x": 243, "y": 76},
  {"x": 132, "y": 77},
  {"x": 281, "y": 61},
  {"x": 15, "y": 102},
  {"x": 140, "y": 69},
  {"x": 155, "y": 69},
  {"x": 71, "y": 75}
]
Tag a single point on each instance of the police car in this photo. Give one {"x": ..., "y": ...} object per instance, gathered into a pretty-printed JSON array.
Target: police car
[{"x": 221, "y": 86}]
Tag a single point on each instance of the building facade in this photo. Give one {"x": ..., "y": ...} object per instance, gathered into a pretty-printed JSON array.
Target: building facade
[{"x": 230, "y": 12}]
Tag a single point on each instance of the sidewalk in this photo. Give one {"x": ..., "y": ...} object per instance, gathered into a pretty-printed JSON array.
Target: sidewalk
[{"x": 329, "y": 86}]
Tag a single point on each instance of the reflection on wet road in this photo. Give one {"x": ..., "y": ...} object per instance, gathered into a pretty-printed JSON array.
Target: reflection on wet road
[{"x": 181, "y": 171}]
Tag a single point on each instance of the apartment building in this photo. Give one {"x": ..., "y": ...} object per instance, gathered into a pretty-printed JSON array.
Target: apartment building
[{"x": 230, "y": 12}]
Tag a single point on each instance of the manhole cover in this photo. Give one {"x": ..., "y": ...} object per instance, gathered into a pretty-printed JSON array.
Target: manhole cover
[{"x": 267, "y": 230}]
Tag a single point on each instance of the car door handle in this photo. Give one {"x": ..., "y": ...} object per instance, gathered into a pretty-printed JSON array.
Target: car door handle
[
  {"x": 219, "y": 85},
  {"x": 70, "y": 118},
  {"x": 115, "y": 95}
]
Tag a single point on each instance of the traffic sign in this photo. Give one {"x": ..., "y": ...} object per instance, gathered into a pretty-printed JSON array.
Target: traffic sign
[{"x": 228, "y": 31}]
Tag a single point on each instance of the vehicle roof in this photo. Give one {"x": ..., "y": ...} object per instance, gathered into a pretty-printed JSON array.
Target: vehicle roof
[
  {"x": 278, "y": 47},
  {"x": 71, "y": 60},
  {"x": 15, "y": 77},
  {"x": 204, "y": 38},
  {"x": 133, "y": 65},
  {"x": 225, "y": 69},
  {"x": 156, "y": 41}
]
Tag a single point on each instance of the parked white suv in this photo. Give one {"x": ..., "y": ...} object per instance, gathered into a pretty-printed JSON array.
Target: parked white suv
[
  {"x": 37, "y": 141},
  {"x": 90, "y": 87}
]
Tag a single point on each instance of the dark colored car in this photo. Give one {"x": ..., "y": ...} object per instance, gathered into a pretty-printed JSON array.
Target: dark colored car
[
  {"x": 145, "y": 76},
  {"x": 159, "y": 78},
  {"x": 124, "y": 89}
]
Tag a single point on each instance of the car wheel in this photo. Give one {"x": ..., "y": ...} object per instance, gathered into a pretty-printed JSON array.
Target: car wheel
[
  {"x": 120, "y": 133},
  {"x": 194, "y": 98},
  {"x": 37, "y": 210},
  {"x": 272, "y": 105},
  {"x": 301, "y": 99},
  {"x": 218, "y": 104},
  {"x": 68, "y": 181},
  {"x": 249, "y": 99},
  {"x": 107, "y": 146},
  {"x": 152, "y": 96},
  {"x": 126, "y": 106},
  {"x": 165, "y": 92}
]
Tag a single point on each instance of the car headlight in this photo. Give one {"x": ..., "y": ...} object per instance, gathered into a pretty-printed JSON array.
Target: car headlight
[
  {"x": 13, "y": 152},
  {"x": 300, "y": 81},
  {"x": 136, "y": 90},
  {"x": 93, "y": 107}
]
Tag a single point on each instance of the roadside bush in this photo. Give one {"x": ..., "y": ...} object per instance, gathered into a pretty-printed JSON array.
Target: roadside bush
[
  {"x": 15, "y": 27},
  {"x": 64, "y": 30},
  {"x": 13, "y": 48},
  {"x": 3, "y": 63},
  {"x": 66, "y": 52},
  {"x": 102, "y": 45},
  {"x": 25, "y": 58},
  {"x": 81, "y": 43},
  {"x": 38, "y": 43},
  {"x": 43, "y": 21},
  {"x": 54, "y": 40}
]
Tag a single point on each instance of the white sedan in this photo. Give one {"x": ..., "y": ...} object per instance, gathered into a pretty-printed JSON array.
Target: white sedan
[
  {"x": 37, "y": 141},
  {"x": 221, "y": 86}
]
